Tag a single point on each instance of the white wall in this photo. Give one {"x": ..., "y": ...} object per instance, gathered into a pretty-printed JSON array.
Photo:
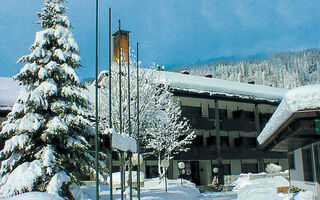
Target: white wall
[{"x": 297, "y": 176}]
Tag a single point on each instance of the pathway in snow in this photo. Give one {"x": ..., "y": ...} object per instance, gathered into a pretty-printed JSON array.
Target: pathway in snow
[{"x": 218, "y": 196}]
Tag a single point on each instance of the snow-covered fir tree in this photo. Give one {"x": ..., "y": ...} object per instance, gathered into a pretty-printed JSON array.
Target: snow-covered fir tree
[
  {"x": 163, "y": 131},
  {"x": 47, "y": 132}
]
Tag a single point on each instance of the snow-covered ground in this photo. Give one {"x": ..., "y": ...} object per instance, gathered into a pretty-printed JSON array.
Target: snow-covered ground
[{"x": 246, "y": 189}]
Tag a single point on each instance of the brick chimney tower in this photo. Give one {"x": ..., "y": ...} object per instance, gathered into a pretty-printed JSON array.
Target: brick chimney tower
[{"x": 122, "y": 37}]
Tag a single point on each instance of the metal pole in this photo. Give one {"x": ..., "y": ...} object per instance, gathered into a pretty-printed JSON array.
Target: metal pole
[
  {"x": 120, "y": 103},
  {"x": 166, "y": 181},
  {"x": 130, "y": 176},
  {"x": 138, "y": 133},
  {"x": 121, "y": 173},
  {"x": 97, "y": 113},
  {"x": 129, "y": 122},
  {"x": 120, "y": 110},
  {"x": 110, "y": 111},
  {"x": 180, "y": 171}
]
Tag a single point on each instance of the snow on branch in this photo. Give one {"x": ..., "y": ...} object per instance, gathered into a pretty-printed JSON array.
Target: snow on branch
[{"x": 57, "y": 181}]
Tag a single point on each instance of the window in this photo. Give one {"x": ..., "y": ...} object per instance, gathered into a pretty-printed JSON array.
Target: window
[
  {"x": 307, "y": 164},
  {"x": 223, "y": 114},
  {"x": 240, "y": 114},
  {"x": 151, "y": 171},
  {"x": 224, "y": 141},
  {"x": 211, "y": 140},
  {"x": 291, "y": 161},
  {"x": 198, "y": 140},
  {"x": 226, "y": 169},
  {"x": 245, "y": 142},
  {"x": 249, "y": 167},
  {"x": 190, "y": 111}
]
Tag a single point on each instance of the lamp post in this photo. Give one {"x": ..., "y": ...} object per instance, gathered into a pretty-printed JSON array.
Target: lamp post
[
  {"x": 181, "y": 167},
  {"x": 136, "y": 160},
  {"x": 165, "y": 164},
  {"x": 215, "y": 173}
]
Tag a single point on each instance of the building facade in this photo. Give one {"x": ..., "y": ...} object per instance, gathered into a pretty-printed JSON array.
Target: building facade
[{"x": 227, "y": 118}]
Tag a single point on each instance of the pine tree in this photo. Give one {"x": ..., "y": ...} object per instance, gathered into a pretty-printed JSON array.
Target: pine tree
[{"x": 46, "y": 133}]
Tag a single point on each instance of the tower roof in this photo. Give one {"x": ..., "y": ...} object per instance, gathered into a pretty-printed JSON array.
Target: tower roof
[{"x": 122, "y": 32}]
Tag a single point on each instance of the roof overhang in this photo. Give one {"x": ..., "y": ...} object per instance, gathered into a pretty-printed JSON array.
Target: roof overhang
[
  {"x": 297, "y": 131},
  {"x": 224, "y": 97}
]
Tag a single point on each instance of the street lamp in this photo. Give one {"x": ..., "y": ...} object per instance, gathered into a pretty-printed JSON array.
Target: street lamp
[
  {"x": 215, "y": 173},
  {"x": 182, "y": 171},
  {"x": 135, "y": 160},
  {"x": 165, "y": 164}
]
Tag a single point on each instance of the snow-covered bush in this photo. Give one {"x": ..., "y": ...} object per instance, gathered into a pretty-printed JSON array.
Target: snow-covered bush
[
  {"x": 273, "y": 168},
  {"x": 45, "y": 136}
]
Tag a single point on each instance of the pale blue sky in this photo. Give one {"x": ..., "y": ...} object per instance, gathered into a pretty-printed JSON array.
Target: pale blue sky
[{"x": 171, "y": 32}]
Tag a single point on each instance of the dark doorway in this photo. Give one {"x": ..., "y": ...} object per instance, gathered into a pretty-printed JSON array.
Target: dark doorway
[{"x": 195, "y": 175}]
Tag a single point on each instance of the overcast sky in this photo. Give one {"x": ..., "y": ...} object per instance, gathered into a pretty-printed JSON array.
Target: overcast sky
[{"x": 170, "y": 32}]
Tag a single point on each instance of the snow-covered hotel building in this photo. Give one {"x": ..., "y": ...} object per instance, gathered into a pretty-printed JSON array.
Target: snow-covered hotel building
[
  {"x": 292, "y": 129},
  {"x": 227, "y": 117}
]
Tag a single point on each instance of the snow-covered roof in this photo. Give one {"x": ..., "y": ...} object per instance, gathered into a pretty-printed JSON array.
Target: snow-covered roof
[
  {"x": 297, "y": 99},
  {"x": 202, "y": 85},
  {"x": 9, "y": 91}
]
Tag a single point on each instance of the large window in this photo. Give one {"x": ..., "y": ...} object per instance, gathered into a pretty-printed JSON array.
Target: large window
[
  {"x": 190, "y": 111},
  {"x": 307, "y": 164}
]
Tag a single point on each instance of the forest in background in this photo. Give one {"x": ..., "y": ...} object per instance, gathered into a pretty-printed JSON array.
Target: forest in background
[{"x": 284, "y": 70}]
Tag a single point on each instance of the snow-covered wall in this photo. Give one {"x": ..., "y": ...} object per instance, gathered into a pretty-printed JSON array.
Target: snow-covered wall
[
  {"x": 301, "y": 98},
  {"x": 9, "y": 91}
]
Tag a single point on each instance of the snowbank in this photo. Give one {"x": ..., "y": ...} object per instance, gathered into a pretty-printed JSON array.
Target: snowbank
[
  {"x": 116, "y": 178},
  {"x": 301, "y": 98},
  {"x": 34, "y": 196},
  {"x": 262, "y": 188},
  {"x": 266, "y": 189}
]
